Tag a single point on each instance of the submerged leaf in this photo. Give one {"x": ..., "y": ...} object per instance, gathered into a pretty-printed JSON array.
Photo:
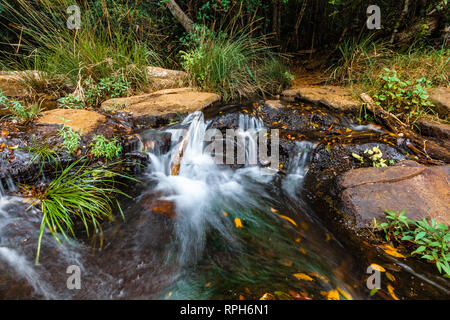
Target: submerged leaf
[
  {"x": 375, "y": 266},
  {"x": 267, "y": 296},
  {"x": 288, "y": 219},
  {"x": 391, "y": 292},
  {"x": 302, "y": 276},
  {"x": 333, "y": 295}
]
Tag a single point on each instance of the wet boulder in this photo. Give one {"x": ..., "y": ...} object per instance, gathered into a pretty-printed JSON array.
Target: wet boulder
[
  {"x": 423, "y": 191},
  {"x": 157, "y": 142}
]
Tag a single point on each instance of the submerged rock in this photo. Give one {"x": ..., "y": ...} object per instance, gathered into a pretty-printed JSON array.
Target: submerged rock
[
  {"x": 335, "y": 98},
  {"x": 159, "y": 107},
  {"x": 423, "y": 191}
]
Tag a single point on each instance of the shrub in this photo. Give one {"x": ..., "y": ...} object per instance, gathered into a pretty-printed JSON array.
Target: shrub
[
  {"x": 71, "y": 102},
  {"x": 408, "y": 97},
  {"x": 97, "y": 49},
  {"x": 429, "y": 239},
  {"x": 102, "y": 147},
  {"x": 71, "y": 139},
  {"x": 235, "y": 66},
  {"x": 109, "y": 87},
  {"x": 20, "y": 112}
]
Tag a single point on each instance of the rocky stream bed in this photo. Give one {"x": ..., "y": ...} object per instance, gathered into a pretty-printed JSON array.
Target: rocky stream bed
[{"x": 305, "y": 228}]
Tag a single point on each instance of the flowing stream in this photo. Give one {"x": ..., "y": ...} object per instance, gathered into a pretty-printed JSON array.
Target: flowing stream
[{"x": 210, "y": 232}]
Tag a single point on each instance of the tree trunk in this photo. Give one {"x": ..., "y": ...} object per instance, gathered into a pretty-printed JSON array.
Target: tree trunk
[
  {"x": 299, "y": 21},
  {"x": 400, "y": 20},
  {"x": 182, "y": 18}
]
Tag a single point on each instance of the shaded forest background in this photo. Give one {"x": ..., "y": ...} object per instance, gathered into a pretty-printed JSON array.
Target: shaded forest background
[{"x": 291, "y": 25}]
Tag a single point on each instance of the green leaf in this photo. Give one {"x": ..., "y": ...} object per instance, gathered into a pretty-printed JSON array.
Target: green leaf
[{"x": 420, "y": 235}]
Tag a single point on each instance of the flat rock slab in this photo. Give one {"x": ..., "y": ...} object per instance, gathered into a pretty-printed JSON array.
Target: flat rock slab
[
  {"x": 11, "y": 83},
  {"x": 335, "y": 98},
  {"x": 81, "y": 121},
  {"x": 161, "y": 78},
  {"x": 441, "y": 99},
  {"x": 423, "y": 191},
  {"x": 164, "y": 104},
  {"x": 431, "y": 128}
]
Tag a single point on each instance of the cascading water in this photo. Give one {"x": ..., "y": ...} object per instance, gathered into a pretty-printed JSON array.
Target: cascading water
[
  {"x": 223, "y": 223},
  {"x": 195, "y": 228}
]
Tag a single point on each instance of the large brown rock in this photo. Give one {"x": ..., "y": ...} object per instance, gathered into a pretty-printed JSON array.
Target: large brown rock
[
  {"x": 441, "y": 99},
  {"x": 11, "y": 83},
  {"x": 423, "y": 191},
  {"x": 81, "y": 121},
  {"x": 432, "y": 128},
  {"x": 161, "y": 78},
  {"x": 335, "y": 98},
  {"x": 164, "y": 104}
]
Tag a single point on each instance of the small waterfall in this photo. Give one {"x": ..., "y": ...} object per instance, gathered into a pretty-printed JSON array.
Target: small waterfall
[
  {"x": 248, "y": 132},
  {"x": 26, "y": 270},
  {"x": 201, "y": 183},
  {"x": 298, "y": 166},
  {"x": 6, "y": 184}
]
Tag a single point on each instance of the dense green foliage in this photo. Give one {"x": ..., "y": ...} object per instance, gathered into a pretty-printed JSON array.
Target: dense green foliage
[
  {"x": 406, "y": 96},
  {"x": 102, "y": 147},
  {"x": 430, "y": 240},
  {"x": 18, "y": 110},
  {"x": 71, "y": 139},
  {"x": 236, "y": 66}
]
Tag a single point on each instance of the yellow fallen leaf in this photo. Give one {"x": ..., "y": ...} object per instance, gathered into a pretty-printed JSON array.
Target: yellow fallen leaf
[
  {"x": 392, "y": 251},
  {"x": 267, "y": 296},
  {"x": 333, "y": 295},
  {"x": 390, "y": 276},
  {"x": 391, "y": 292},
  {"x": 302, "y": 276},
  {"x": 288, "y": 219},
  {"x": 375, "y": 266},
  {"x": 273, "y": 210},
  {"x": 238, "y": 223}
]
